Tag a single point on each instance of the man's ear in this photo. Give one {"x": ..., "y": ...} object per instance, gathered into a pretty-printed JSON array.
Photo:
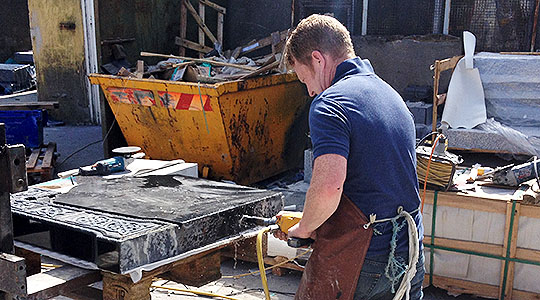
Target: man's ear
[{"x": 317, "y": 57}]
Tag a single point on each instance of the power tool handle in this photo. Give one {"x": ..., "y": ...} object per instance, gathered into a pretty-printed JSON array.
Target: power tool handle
[{"x": 298, "y": 243}]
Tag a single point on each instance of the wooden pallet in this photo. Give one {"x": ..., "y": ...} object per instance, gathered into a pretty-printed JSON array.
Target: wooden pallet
[{"x": 42, "y": 161}]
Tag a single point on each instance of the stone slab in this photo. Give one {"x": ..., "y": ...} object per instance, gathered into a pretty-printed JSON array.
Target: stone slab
[{"x": 124, "y": 223}]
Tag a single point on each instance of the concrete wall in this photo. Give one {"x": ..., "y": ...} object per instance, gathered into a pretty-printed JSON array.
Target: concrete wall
[
  {"x": 14, "y": 28},
  {"x": 401, "y": 61},
  {"x": 57, "y": 39}
]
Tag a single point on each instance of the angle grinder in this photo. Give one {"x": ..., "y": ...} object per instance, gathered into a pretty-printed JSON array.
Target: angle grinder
[{"x": 282, "y": 222}]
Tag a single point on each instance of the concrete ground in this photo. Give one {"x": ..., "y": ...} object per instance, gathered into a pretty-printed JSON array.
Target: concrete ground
[{"x": 71, "y": 139}]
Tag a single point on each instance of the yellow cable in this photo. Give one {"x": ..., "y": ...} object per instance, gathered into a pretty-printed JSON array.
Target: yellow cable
[
  {"x": 193, "y": 292},
  {"x": 260, "y": 259},
  {"x": 266, "y": 269}
]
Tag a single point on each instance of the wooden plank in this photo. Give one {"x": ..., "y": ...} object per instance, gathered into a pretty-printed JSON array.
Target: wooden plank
[
  {"x": 32, "y": 161},
  {"x": 528, "y": 254},
  {"x": 173, "y": 265},
  {"x": 246, "y": 249},
  {"x": 449, "y": 63},
  {"x": 460, "y": 286},
  {"x": 261, "y": 70},
  {"x": 10, "y": 105},
  {"x": 197, "y": 272},
  {"x": 436, "y": 78},
  {"x": 116, "y": 287},
  {"x": 49, "y": 156},
  {"x": 191, "y": 45},
  {"x": 220, "y": 22},
  {"x": 57, "y": 281},
  {"x": 12, "y": 274},
  {"x": 530, "y": 211},
  {"x": 513, "y": 245},
  {"x": 201, "y": 60},
  {"x": 267, "y": 41},
  {"x": 465, "y": 245},
  {"x": 220, "y": 9},
  {"x": 458, "y": 200},
  {"x": 32, "y": 260},
  {"x": 84, "y": 293},
  {"x": 183, "y": 26},
  {"x": 439, "y": 67},
  {"x": 202, "y": 15},
  {"x": 522, "y": 295},
  {"x": 199, "y": 21},
  {"x": 277, "y": 260}
]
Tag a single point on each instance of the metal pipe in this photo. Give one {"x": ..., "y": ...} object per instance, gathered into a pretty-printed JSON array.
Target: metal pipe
[
  {"x": 437, "y": 16},
  {"x": 535, "y": 22},
  {"x": 446, "y": 23},
  {"x": 364, "y": 16}
]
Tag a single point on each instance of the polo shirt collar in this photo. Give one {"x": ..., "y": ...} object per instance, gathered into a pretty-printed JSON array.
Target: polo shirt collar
[{"x": 353, "y": 66}]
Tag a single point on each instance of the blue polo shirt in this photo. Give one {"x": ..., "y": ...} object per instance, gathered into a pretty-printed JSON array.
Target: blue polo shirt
[{"x": 363, "y": 119}]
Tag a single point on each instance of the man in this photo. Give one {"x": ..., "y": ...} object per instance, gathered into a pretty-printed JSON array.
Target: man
[{"x": 364, "y": 165}]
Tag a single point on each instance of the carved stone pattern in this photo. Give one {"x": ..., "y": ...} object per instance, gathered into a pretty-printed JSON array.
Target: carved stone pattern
[{"x": 111, "y": 225}]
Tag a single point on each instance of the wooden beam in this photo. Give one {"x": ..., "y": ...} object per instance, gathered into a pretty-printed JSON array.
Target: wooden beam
[
  {"x": 16, "y": 105},
  {"x": 465, "y": 245},
  {"x": 261, "y": 70},
  {"x": 116, "y": 286},
  {"x": 32, "y": 161},
  {"x": 32, "y": 260},
  {"x": 458, "y": 200},
  {"x": 460, "y": 286},
  {"x": 197, "y": 272},
  {"x": 55, "y": 282},
  {"x": 199, "y": 21},
  {"x": 183, "y": 26},
  {"x": 191, "y": 45},
  {"x": 220, "y": 9},
  {"x": 220, "y": 22},
  {"x": 512, "y": 250},
  {"x": 267, "y": 41},
  {"x": 201, "y": 60},
  {"x": 49, "y": 156},
  {"x": 202, "y": 14}
]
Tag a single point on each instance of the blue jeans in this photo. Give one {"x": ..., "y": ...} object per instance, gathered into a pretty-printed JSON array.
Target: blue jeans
[{"x": 374, "y": 285}]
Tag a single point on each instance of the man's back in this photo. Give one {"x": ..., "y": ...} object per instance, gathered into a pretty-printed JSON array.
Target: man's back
[{"x": 363, "y": 119}]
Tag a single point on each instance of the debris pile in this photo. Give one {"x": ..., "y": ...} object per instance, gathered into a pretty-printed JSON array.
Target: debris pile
[{"x": 217, "y": 66}]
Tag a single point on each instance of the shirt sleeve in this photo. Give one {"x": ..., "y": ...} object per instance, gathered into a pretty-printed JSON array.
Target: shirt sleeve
[{"x": 330, "y": 128}]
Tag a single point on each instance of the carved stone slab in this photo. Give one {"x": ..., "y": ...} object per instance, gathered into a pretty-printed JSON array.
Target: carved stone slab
[{"x": 125, "y": 223}]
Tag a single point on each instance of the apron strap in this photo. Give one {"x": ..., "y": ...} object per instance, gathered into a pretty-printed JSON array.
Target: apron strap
[{"x": 394, "y": 269}]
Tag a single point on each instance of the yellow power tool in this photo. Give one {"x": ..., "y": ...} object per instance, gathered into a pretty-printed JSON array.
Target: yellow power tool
[{"x": 285, "y": 221}]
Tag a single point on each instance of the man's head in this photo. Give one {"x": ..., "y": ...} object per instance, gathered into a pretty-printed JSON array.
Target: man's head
[{"x": 315, "y": 48}]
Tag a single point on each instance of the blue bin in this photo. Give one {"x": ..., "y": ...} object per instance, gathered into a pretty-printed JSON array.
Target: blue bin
[{"x": 24, "y": 126}]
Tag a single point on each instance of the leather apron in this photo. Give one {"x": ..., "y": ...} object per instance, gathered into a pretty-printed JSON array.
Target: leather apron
[{"x": 339, "y": 250}]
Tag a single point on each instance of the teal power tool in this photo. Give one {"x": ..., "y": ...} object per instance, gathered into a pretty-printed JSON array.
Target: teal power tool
[
  {"x": 285, "y": 221},
  {"x": 512, "y": 175},
  {"x": 104, "y": 167}
]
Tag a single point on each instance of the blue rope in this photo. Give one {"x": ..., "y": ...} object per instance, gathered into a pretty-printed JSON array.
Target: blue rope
[{"x": 395, "y": 268}]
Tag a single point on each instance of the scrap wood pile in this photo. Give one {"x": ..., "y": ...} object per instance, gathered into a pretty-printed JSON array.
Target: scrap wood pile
[{"x": 216, "y": 66}]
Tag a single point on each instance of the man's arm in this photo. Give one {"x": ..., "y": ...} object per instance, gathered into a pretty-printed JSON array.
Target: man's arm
[{"x": 323, "y": 195}]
